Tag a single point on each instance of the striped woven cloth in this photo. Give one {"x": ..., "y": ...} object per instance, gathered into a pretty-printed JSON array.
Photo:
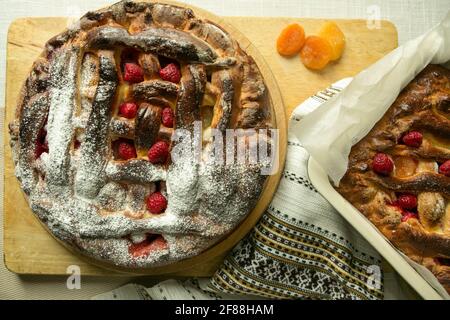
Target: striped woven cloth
[{"x": 300, "y": 248}]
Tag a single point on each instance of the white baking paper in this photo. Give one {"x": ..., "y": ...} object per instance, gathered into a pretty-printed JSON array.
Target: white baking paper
[{"x": 329, "y": 132}]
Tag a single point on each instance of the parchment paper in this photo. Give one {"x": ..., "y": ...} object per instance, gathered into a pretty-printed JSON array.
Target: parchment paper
[{"x": 329, "y": 132}]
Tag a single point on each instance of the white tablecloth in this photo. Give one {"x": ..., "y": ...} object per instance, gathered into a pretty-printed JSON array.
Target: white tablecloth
[{"x": 411, "y": 17}]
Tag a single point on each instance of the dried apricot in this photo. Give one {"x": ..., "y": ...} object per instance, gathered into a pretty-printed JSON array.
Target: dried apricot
[
  {"x": 291, "y": 40},
  {"x": 331, "y": 32},
  {"x": 316, "y": 53}
]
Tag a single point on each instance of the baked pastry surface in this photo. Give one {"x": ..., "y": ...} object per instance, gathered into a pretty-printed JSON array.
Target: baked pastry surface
[
  {"x": 409, "y": 203},
  {"x": 69, "y": 126}
]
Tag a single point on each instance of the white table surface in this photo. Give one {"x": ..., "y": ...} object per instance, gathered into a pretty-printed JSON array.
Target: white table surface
[{"x": 411, "y": 17}]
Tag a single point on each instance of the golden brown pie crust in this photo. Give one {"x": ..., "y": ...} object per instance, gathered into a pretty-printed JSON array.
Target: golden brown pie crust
[{"x": 424, "y": 106}]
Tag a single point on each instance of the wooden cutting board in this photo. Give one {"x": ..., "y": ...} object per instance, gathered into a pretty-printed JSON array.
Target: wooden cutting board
[{"x": 29, "y": 249}]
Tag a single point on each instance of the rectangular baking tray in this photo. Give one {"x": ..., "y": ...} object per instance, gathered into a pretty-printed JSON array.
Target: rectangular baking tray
[{"x": 321, "y": 182}]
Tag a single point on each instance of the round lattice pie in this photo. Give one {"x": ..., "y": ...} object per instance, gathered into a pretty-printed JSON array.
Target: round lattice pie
[
  {"x": 399, "y": 174},
  {"x": 95, "y": 127}
]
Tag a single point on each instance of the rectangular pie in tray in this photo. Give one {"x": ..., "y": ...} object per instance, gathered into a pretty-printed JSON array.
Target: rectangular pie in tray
[{"x": 399, "y": 174}]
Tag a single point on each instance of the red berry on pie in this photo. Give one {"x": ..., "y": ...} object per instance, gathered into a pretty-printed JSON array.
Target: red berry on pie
[
  {"x": 167, "y": 117},
  {"x": 128, "y": 110},
  {"x": 159, "y": 243},
  {"x": 126, "y": 150},
  {"x": 40, "y": 148},
  {"x": 413, "y": 139},
  {"x": 41, "y": 144},
  {"x": 159, "y": 152},
  {"x": 171, "y": 73},
  {"x": 407, "y": 201},
  {"x": 382, "y": 164},
  {"x": 156, "y": 203},
  {"x": 445, "y": 168},
  {"x": 133, "y": 73},
  {"x": 140, "y": 249},
  {"x": 144, "y": 248},
  {"x": 408, "y": 215}
]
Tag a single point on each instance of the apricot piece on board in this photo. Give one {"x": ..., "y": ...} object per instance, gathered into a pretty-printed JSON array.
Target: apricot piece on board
[
  {"x": 291, "y": 40},
  {"x": 316, "y": 53},
  {"x": 331, "y": 32}
]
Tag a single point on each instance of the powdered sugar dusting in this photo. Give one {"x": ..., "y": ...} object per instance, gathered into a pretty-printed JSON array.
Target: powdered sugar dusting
[
  {"x": 96, "y": 203},
  {"x": 63, "y": 74}
]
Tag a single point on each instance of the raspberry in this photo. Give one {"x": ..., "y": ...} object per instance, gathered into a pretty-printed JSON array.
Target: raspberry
[
  {"x": 445, "y": 168},
  {"x": 413, "y": 139},
  {"x": 156, "y": 203},
  {"x": 40, "y": 148},
  {"x": 151, "y": 243},
  {"x": 171, "y": 73},
  {"x": 41, "y": 145},
  {"x": 407, "y": 201},
  {"x": 159, "y": 152},
  {"x": 126, "y": 150},
  {"x": 133, "y": 73},
  {"x": 382, "y": 164},
  {"x": 408, "y": 215},
  {"x": 128, "y": 110},
  {"x": 167, "y": 117}
]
